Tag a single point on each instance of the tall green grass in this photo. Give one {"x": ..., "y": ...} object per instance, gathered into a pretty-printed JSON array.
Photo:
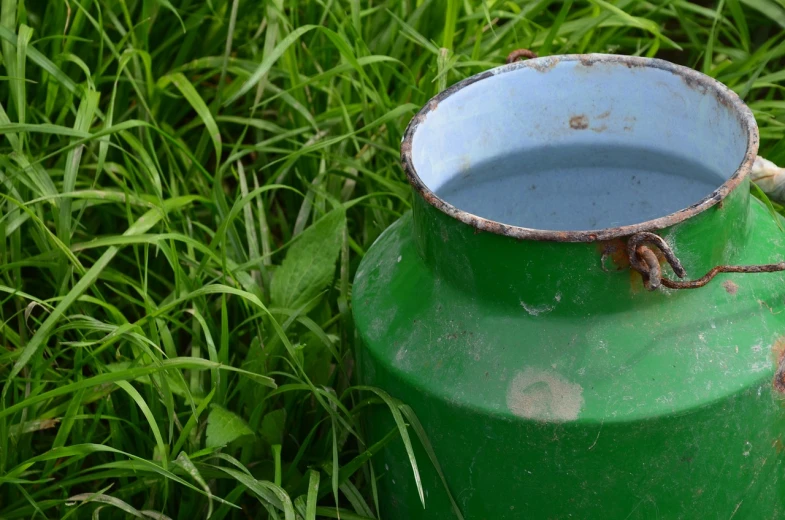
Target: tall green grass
[{"x": 186, "y": 188}]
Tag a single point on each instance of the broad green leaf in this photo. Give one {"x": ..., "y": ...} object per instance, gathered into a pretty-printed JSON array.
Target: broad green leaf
[
  {"x": 224, "y": 427},
  {"x": 272, "y": 428},
  {"x": 309, "y": 265}
]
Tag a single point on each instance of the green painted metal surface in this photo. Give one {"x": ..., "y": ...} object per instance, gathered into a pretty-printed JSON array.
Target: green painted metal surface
[{"x": 553, "y": 385}]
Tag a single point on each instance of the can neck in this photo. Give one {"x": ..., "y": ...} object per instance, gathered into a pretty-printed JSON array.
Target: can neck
[{"x": 552, "y": 277}]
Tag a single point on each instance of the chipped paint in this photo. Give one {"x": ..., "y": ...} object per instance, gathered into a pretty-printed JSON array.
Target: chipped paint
[{"x": 537, "y": 310}]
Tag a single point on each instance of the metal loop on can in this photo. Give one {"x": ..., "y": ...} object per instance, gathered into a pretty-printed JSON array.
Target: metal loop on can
[
  {"x": 644, "y": 260},
  {"x": 520, "y": 53},
  {"x": 651, "y": 263}
]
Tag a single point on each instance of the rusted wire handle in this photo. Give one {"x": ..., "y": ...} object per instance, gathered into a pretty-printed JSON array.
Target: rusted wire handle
[
  {"x": 645, "y": 261},
  {"x": 520, "y": 53}
]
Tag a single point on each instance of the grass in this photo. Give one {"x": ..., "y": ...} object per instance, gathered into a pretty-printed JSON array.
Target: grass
[{"x": 186, "y": 189}]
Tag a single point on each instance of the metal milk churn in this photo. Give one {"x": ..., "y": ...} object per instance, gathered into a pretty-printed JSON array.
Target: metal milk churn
[{"x": 568, "y": 308}]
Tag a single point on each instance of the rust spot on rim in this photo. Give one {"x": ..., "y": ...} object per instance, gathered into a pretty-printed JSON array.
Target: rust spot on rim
[
  {"x": 545, "y": 64},
  {"x": 579, "y": 122},
  {"x": 695, "y": 84},
  {"x": 586, "y": 60},
  {"x": 719, "y": 91},
  {"x": 616, "y": 251}
]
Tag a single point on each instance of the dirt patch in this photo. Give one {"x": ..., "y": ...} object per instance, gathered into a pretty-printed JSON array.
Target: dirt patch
[
  {"x": 579, "y": 122},
  {"x": 544, "y": 395},
  {"x": 730, "y": 287}
]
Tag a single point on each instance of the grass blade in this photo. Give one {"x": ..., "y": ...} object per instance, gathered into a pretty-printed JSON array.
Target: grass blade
[
  {"x": 137, "y": 397},
  {"x": 313, "y": 491},
  {"x": 195, "y": 100},
  {"x": 402, "y": 430},
  {"x": 144, "y": 223}
]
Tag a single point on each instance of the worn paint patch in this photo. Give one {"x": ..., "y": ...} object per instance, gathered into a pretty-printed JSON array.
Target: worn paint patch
[
  {"x": 544, "y": 64},
  {"x": 730, "y": 286},
  {"x": 544, "y": 395},
  {"x": 778, "y": 355},
  {"x": 381, "y": 323},
  {"x": 534, "y": 310},
  {"x": 466, "y": 165},
  {"x": 400, "y": 356}
]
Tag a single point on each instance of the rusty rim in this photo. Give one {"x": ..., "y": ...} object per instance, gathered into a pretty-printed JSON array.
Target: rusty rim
[{"x": 720, "y": 91}]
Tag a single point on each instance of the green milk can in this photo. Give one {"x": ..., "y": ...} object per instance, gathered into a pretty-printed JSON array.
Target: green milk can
[{"x": 568, "y": 308}]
